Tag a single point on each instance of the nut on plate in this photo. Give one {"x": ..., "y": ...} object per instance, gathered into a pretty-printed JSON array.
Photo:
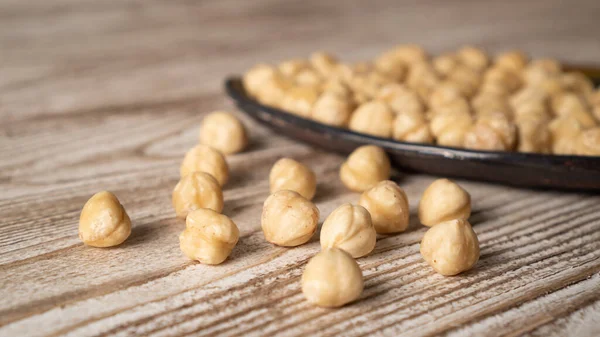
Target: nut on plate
[
  {"x": 492, "y": 132},
  {"x": 197, "y": 190},
  {"x": 444, "y": 200},
  {"x": 223, "y": 131},
  {"x": 412, "y": 127},
  {"x": 288, "y": 219},
  {"x": 450, "y": 247},
  {"x": 209, "y": 237},
  {"x": 203, "y": 158},
  {"x": 332, "y": 109},
  {"x": 365, "y": 167},
  {"x": 388, "y": 205},
  {"x": 588, "y": 142},
  {"x": 332, "y": 278},
  {"x": 373, "y": 118},
  {"x": 288, "y": 174},
  {"x": 513, "y": 60},
  {"x": 103, "y": 221},
  {"x": 350, "y": 228}
]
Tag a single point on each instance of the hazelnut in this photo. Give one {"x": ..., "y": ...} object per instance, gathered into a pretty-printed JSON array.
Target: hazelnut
[
  {"x": 410, "y": 53},
  {"x": 365, "y": 167},
  {"x": 337, "y": 87},
  {"x": 444, "y": 200},
  {"x": 300, "y": 100},
  {"x": 224, "y": 132},
  {"x": 539, "y": 70},
  {"x": 527, "y": 95},
  {"x": 534, "y": 136},
  {"x": 254, "y": 78},
  {"x": 203, "y": 158},
  {"x": 288, "y": 174},
  {"x": 491, "y": 132},
  {"x": 588, "y": 142},
  {"x": 450, "y": 247},
  {"x": 208, "y": 237},
  {"x": 308, "y": 78},
  {"x": 373, "y": 118},
  {"x": 197, "y": 190},
  {"x": 466, "y": 79},
  {"x": 531, "y": 110},
  {"x": 486, "y": 103},
  {"x": 443, "y": 94},
  {"x": 400, "y": 99},
  {"x": 391, "y": 67},
  {"x": 445, "y": 63},
  {"x": 291, "y": 68},
  {"x": 332, "y": 278},
  {"x": 450, "y": 129},
  {"x": 289, "y": 219},
  {"x": 569, "y": 104},
  {"x": 565, "y": 132},
  {"x": 457, "y": 105},
  {"x": 103, "y": 221},
  {"x": 513, "y": 60},
  {"x": 324, "y": 63},
  {"x": 510, "y": 80},
  {"x": 473, "y": 58},
  {"x": 349, "y": 228},
  {"x": 332, "y": 109},
  {"x": 412, "y": 127},
  {"x": 273, "y": 88},
  {"x": 388, "y": 205}
]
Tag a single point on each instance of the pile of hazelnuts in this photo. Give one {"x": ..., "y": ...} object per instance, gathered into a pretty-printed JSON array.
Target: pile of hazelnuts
[
  {"x": 332, "y": 277},
  {"x": 462, "y": 99}
]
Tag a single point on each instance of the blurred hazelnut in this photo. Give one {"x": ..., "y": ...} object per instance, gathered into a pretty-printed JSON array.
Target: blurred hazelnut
[
  {"x": 373, "y": 118},
  {"x": 491, "y": 132},
  {"x": 443, "y": 94},
  {"x": 444, "y": 200},
  {"x": 291, "y": 68},
  {"x": 288, "y": 174},
  {"x": 388, "y": 205},
  {"x": 103, "y": 221},
  {"x": 445, "y": 63},
  {"x": 513, "y": 60},
  {"x": 565, "y": 132},
  {"x": 539, "y": 70},
  {"x": 450, "y": 129},
  {"x": 324, "y": 63},
  {"x": 412, "y": 127},
  {"x": 331, "y": 109},
  {"x": 510, "y": 80},
  {"x": 203, "y": 158},
  {"x": 391, "y": 68},
  {"x": 472, "y": 57},
  {"x": 400, "y": 99},
  {"x": 349, "y": 228},
  {"x": 300, "y": 100},
  {"x": 308, "y": 78},
  {"x": 272, "y": 90},
  {"x": 365, "y": 167},
  {"x": 224, "y": 132},
  {"x": 534, "y": 136},
  {"x": 197, "y": 190},
  {"x": 588, "y": 142},
  {"x": 254, "y": 77},
  {"x": 410, "y": 53}
]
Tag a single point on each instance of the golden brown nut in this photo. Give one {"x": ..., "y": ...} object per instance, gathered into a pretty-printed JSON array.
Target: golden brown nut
[
  {"x": 308, "y": 78},
  {"x": 388, "y": 205},
  {"x": 565, "y": 132},
  {"x": 332, "y": 278},
  {"x": 510, "y": 80},
  {"x": 209, "y": 237},
  {"x": 474, "y": 58},
  {"x": 444, "y": 200},
  {"x": 466, "y": 79},
  {"x": 528, "y": 95},
  {"x": 569, "y": 104},
  {"x": 534, "y": 135},
  {"x": 103, "y": 221},
  {"x": 300, "y": 100},
  {"x": 539, "y": 70},
  {"x": 456, "y": 106},
  {"x": 422, "y": 75},
  {"x": 337, "y": 87},
  {"x": 203, "y": 158},
  {"x": 224, "y": 132},
  {"x": 373, "y": 118},
  {"x": 332, "y": 109},
  {"x": 291, "y": 68},
  {"x": 254, "y": 78},
  {"x": 410, "y": 53},
  {"x": 349, "y": 228},
  {"x": 412, "y": 127},
  {"x": 494, "y": 89},
  {"x": 513, "y": 60},
  {"x": 588, "y": 142},
  {"x": 445, "y": 63},
  {"x": 197, "y": 190},
  {"x": 273, "y": 88},
  {"x": 486, "y": 103},
  {"x": 289, "y": 219},
  {"x": 450, "y": 129},
  {"x": 288, "y": 174},
  {"x": 365, "y": 167},
  {"x": 533, "y": 110},
  {"x": 324, "y": 63},
  {"x": 400, "y": 99},
  {"x": 450, "y": 247},
  {"x": 491, "y": 132},
  {"x": 444, "y": 94},
  {"x": 390, "y": 67}
]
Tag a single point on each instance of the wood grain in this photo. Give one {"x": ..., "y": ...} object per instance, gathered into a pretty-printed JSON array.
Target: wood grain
[{"x": 109, "y": 95}]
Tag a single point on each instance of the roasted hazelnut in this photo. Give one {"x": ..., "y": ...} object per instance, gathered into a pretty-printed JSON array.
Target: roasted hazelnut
[
  {"x": 539, "y": 70},
  {"x": 473, "y": 58},
  {"x": 588, "y": 142},
  {"x": 209, "y": 237},
  {"x": 324, "y": 63},
  {"x": 332, "y": 278},
  {"x": 337, "y": 87},
  {"x": 466, "y": 79},
  {"x": 197, "y": 190},
  {"x": 565, "y": 132},
  {"x": 365, "y": 167},
  {"x": 455, "y": 106},
  {"x": 300, "y": 100},
  {"x": 308, "y": 78},
  {"x": 224, "y": 132},
  {"x": 203, "y": 158},
  {"x": 410, "y": 53},
  {"x": 289, "y": 219},
  {"x": 288, "y": 174},
  {"x": 103, "y": 221},
  {"x": 391, "y": 68},
  {"x": 450, "y": 129},
  {"x": 444, "y": 94},
  {"x": 273, "y": 88},
  {"x": 510, "y": 80},
  {"x": 258, "y": 74},
  {"x": 486, "y": 103},
  {"x": 444, "y": 200},
  {"x": 412, "y": 127},
  {"x": 388, "y": 205},
  {"x": 534, "y": 136},
  {"x": 450, "y": 247},
  {"x": 400, "y": 99},
  {"x": 373, "y": 118},
  {"x": 491, "y": 132},
  {"x": 513, "y": 60},
  {"x": 291, "y": 68},
  {"x": 445, "y": 63},
  {"x": 349, "y": 228},
  {"x": 332, "y": 109},
  {"x": 569, "y": 104}
]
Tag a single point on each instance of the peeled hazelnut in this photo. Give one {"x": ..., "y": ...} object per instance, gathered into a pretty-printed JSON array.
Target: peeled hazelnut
[
  {"x": 509, "y": 79},
  {"x": 532, "y": 110},
  {"x": 539, "y": 70},
  {"x": 486, "y": 103},
  {"x": 450, "y": 129},
  {"x": 588, "y": 142},
  {"x": 308, "y": 78},
  {"x": 466, "y": 79},
  {"x": 336, "y": 86},
  {"x": 254, "y": 77},
  {"x": 197, "y": 190},
  {"x": 388, "y": 205},
  {"x": 272, "y": 89},
  {"x": 565, "y": 132},
  {"x": 288, "y": 174},
  {"x": 444, "y": 200},
  {"x": 450, "y": 247},
  {"x": 457, "y": 105},
  {"x": 291, "y": 68},
  {"x": 365, "y": 167},
  {"x": 443, "y": 94},
  {"x": 332, "y": 278},
  {"x": 224, "y": 132},
  {"x": 444, "y": 63},
  {"x": 534, "y": 136},
  {"x": 103, "y": 221},
  {"x": 300, "y": 100},
  {"x": 373, "y": 118},
  {"x": 324, "y": 63},
  {"x": 203, "y": 158},
  {"x": 209, "y": 237},
  {"x": 514, "y": 61},
  {"x": 289, "y": 219},
  {"x": 491, "y": 132},
  {"x": 349, "y": 228},
  {"x": 332, "y": 109},
  {"x": 390, "y": 67},
  {"x": 400, "y": 99},
  {"x": 569, "y": 104},
  {"x": 473, "y": 58},
  {"x": 527, "y": 95},
  {"x": 412, "y": 127},
  {"x": 410, "y": 53}
]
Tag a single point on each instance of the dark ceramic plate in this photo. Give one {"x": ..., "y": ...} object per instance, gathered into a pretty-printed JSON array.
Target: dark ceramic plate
[{"x": 521, "y": 169}]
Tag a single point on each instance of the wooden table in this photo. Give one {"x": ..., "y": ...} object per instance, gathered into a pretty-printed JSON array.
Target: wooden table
[{"x": 99, "y": 95}]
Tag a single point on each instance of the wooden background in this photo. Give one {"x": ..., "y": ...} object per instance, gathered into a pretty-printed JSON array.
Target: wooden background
[{"x": 109, "y": 94}]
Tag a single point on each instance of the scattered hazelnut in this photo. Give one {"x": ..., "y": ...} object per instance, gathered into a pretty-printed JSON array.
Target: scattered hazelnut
[
  {"x": 332, "y": 278},
  {"x": 224, "y": 132},
  {"x": 103, "y": 221},
  {"x": 450, "y": 247},
  {"x": 373, "y": 118},
  {"x": 365, "y": 167},
  {"x": 388, "y": 205},
  {"x": 289, "y": 219},
  {"x": 444, "y": 200},
  {"x": 209, "y": 237},
  {"x": 349, "y": 228},
  {"x": 197, "y": 190},
  {"x": 288, "y": 174},
  {"x": 203, "y": 158}
]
